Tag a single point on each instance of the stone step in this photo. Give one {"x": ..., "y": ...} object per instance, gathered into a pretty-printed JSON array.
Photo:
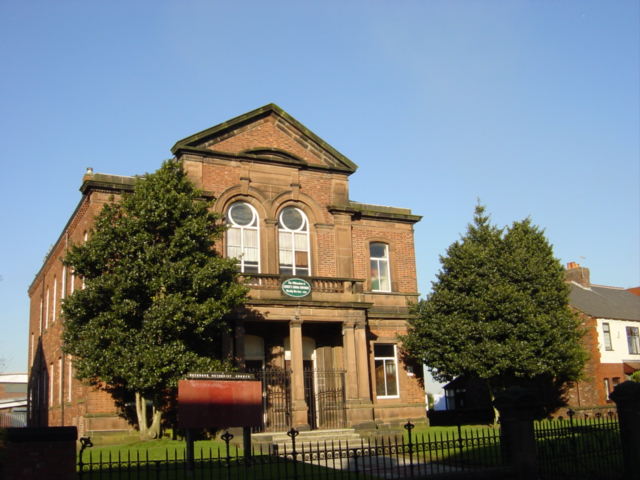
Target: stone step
[{"x": 307, "y": 439}]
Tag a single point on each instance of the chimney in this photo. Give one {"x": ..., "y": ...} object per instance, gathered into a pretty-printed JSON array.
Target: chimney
[
  {"x": 88, "y": 175},
  {"x": 578, "y": 274}
]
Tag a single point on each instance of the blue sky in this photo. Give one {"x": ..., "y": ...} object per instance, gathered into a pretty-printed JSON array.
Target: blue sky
[{"x": 531, "y": 106}]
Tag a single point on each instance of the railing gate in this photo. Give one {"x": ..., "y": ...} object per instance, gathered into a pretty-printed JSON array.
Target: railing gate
[{"x": 325, "y": 397}]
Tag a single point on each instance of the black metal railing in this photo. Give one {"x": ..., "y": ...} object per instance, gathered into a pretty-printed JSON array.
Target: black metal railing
[
  {"x": 409, "y": 456},
  {"x": 585, "y": 448}
]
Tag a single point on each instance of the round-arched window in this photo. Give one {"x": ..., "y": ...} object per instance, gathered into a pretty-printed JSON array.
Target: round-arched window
[
  {"x": 243, "y": 237},
  {"x": 293, "y": 238}
]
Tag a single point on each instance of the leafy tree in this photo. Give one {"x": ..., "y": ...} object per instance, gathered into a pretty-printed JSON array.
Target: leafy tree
[
  {"x": 155, "y": 293},
  {"x": 499, "y": 312},
  {"x": 635, "y": 376}
]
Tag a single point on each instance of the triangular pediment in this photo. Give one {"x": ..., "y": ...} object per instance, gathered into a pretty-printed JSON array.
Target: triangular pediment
[{"x": 267, "y": 134}]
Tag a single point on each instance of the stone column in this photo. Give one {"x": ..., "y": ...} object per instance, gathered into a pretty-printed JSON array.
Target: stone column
[
  {"x": 299, "y": 406},
  {"x": 362, "y": 358},
  {"x": 517, "y": 436},
  {"x": 350, "y": 361},
  {"x": 268, "y": 243},
  {"x": 627, "y": 398}
]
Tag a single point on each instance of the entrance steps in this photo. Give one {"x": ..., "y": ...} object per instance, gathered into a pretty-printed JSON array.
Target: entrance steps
[{"x": 279, "y": 441}]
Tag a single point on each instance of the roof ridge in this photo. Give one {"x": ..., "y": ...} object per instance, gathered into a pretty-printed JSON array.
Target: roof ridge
[{"x": 612, "y": 287}]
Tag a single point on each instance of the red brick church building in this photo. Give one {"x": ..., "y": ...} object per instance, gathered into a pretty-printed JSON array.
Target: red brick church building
[{"x": 329, "y": 358}]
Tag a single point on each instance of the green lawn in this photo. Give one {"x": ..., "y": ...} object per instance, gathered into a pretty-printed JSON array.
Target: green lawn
[
  {"x": 162, "y": 449},
  {"x": 424, "y": 430}
]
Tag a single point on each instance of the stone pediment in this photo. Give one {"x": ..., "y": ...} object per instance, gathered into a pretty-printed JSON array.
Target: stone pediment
[{"x": 267, "y": 134}]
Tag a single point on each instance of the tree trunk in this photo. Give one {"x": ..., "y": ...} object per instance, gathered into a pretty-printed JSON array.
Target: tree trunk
[
  {"x": 154, "y": 429},
  {"x": 147, "y": 431},
  {"x": 492, "y": 399},
  {"x": 141, "y": 414}
]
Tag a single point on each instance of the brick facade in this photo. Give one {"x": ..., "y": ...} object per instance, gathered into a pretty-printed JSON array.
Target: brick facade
[
  {"x": 588, "y": 392},
  {"x": 269, "y": 161}
]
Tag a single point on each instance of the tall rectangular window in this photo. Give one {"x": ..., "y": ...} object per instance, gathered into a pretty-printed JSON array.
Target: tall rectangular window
[
  {"x": 46, "y": 311},
  {"x": 72, "y": 287},
  {"x": 82, "y": 282},
  {"x": 51, "y": 378},
  {"x": 379, "y": 254},
  {"x": 69, "y": 379},
  {"x": 41, "y": 316},
  {"x": 55, "y": 299},
  {"x": 606, "y": 388},
  {"x": 60, "y": 380},
  {"x": 63, "y": 288},
  {"x": 606, "y": 333},
  {"x": 386, "y": 367},
  {"x": 633, "y": 340}
]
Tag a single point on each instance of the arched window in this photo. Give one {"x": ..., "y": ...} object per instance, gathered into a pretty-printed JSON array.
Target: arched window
[
  {"x": 380, "y": 281},
  {"x": 243, "y": 237},
  {"x": 293, "y": 238}
]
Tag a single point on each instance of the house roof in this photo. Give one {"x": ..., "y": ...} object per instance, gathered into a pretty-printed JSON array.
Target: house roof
[
  {"x": 13, "y": 378},
  {"x": 605, "y": 302},
  {"x": 12, "y": 403}
]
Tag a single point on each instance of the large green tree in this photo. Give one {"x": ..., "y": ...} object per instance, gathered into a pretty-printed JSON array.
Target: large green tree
[
  {"x": 499, "y": 312},
  {"x": 155, "y": 293}
]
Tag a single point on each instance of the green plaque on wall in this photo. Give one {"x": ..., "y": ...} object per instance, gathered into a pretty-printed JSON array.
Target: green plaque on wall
[{"x": 296, "y": 287}]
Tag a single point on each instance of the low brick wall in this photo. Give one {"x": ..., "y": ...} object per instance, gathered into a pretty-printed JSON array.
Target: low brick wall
[{"x": 40, "y": 452}]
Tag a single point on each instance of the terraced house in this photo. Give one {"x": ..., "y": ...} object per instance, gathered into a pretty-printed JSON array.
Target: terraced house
[
  {"x": 331, "y": 281},
  {"x": 611, "y": 318}
]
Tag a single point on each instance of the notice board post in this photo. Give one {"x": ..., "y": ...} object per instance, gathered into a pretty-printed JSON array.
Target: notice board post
[{"x": 219, "y": 399}]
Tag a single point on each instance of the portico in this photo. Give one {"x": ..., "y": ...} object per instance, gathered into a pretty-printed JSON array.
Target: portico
[{"x": 320, "y": 341}]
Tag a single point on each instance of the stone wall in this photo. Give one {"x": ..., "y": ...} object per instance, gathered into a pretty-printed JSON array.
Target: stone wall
[{"x": 40, "y": 453}]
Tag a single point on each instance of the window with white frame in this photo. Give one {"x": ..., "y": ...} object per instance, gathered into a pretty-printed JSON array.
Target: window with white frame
[
  {"x": 293, "y": 242},
  {"x": 55, "y": 299},
  {"x": 380, "y": 278},
  {"x": 243, "y": 237},
  {"x": 41, "y": 316},
  {"x": 386, "y": 368},
  {"x": 63, "y": 287},
  {"x": 83, "y": 285},
  {"x": 69, "y": 379},
  {"x": 60, "y": 380},
  {"x": 633, "y": 340},
  {"x": 606, "y": 333},
  {"x": 46, "y": 311},
  {"x": 51, "y": 379}
]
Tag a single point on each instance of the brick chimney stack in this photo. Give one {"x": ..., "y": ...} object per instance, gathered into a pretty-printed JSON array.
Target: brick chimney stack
[{"x": 578, "y": 274}]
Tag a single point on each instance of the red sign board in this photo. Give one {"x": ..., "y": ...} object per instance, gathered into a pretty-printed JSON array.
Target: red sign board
[{"x": 204, "y": 403}]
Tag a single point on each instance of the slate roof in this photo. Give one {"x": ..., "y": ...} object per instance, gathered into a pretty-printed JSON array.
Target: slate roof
[{"x": 605, "y": 302}]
